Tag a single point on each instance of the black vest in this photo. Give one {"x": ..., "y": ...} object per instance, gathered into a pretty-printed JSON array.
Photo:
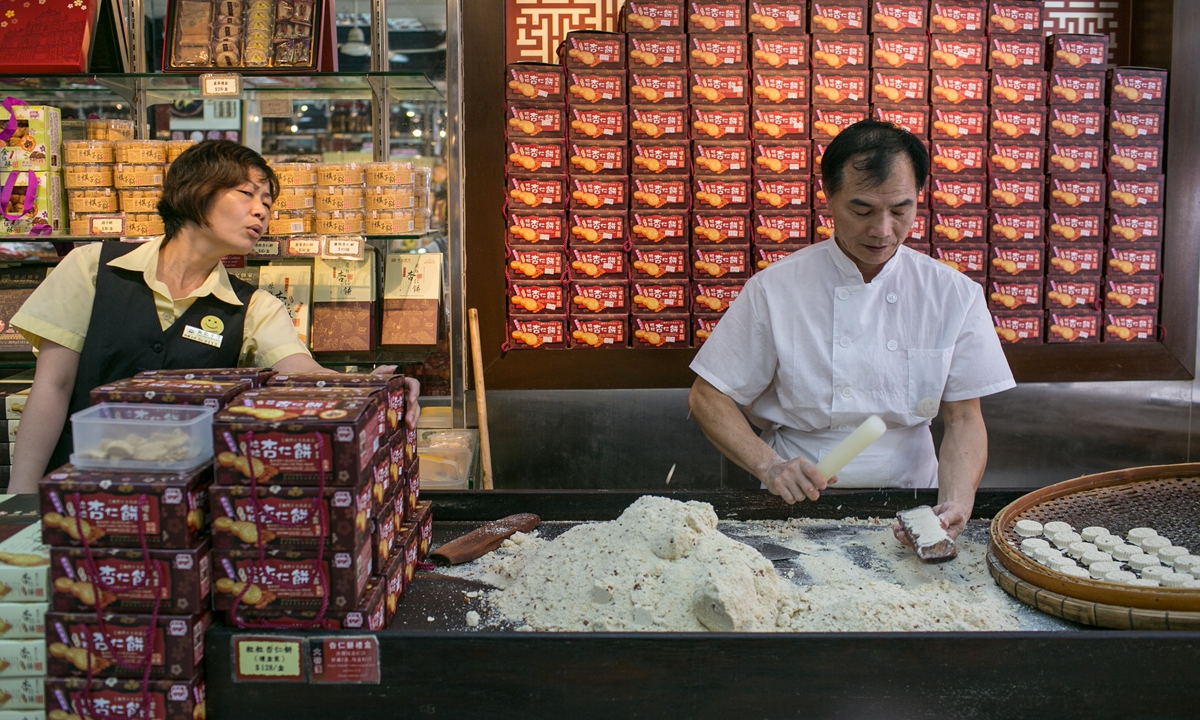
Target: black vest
[{"x": 125, "y": 337}]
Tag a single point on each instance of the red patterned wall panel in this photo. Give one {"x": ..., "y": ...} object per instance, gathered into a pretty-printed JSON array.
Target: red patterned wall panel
[
  {"x": 1110, "y": 17},
  {"x": 534, "y": 28}
]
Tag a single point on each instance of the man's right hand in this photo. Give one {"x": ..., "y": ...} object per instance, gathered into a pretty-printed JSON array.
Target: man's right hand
[{"x": 795, "y": 479}]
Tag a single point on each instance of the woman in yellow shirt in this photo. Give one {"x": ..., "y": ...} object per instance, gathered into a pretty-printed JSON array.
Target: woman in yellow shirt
[{"x": 111, "y": 310}]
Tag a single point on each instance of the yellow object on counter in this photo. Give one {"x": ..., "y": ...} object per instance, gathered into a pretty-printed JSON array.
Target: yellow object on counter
[
  {"x": 110, "y": 129},
  {"x": 92, "y": 200},
  {"x": 389, "y": 173},
  {"x": 388, "y": 222},
  {"x": 140, "y": 200},
  {"x": 80, "y": 152},
  {"x": 295, "y": 174},
  {"x": 87, "y": 176},
  {"x": 339, "y": 222},
  {"x": 340, "y": 197},
  {"x": 340, "y": 174},
  {"x": 137, "y": 175},
  {"x": 140, "y": 152}
]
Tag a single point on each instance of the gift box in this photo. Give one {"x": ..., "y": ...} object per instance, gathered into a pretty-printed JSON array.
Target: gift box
[
  {"x": 34, "y": 138},
  {"x": 31, "y": 202},
  {"x": 50, "y": 38}
]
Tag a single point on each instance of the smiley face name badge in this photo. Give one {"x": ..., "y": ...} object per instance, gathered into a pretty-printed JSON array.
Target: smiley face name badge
[{"x": 212, "y": 324}]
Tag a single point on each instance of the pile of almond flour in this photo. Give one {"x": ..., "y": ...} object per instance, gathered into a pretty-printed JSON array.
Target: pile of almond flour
[{"x": 663, "y": 565}]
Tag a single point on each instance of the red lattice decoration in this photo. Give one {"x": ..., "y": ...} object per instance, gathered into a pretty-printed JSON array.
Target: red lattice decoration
[{"x": 534, "y": 28}]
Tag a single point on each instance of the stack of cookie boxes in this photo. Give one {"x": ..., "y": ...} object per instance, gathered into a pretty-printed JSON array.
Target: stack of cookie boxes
[{"x": 316, "y": 514}]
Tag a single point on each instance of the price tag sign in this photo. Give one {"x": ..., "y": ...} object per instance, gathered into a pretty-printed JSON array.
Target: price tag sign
[
  {"x": 106, "y": 225},
  {"x": 274, "y": 107},
  {"x": 220, "y": 85},
  {"x": 273, "y": 658},
  {"x": 345, "y": 660}
]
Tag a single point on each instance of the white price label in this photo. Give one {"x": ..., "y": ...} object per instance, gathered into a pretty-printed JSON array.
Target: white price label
[
  {"x": 107, "y": 225},
  {"x": 214, "y": 85}
]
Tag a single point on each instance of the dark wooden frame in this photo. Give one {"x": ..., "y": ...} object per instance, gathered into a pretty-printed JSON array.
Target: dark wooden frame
[{"x": 1162, "y": 34}]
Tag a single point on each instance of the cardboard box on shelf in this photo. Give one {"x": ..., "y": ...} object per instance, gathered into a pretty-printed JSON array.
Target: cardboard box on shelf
[
  {"x": 894, "y": 16},
  {"x": 790, "y": 123},
  {"x": 1075, "y": 259},
  {"x": 1066, "y": 293},
  {"x": 908, "y": 52},
  {"x": 967, "y": 258},
  {"x": 848, "y": 50},
  {"x": 1138, "y": 86},
  {"x": 707, "y": 16},
  {"x": 36, "y": 141},
  {"x": 714, "y": 296},
  {"x": 597, "y": 263},
  {"x": 175, "y": 650},
  {"x": 718, "y": 51},
  {"x": 1017, "y": 226},
  {"x": 1078, "y": 51},
  {"x": 783, "y": 17},
  {"x": 966, "y": 17},
  {"x": 1131, "y": 292},
  {"x": 703, "y": 326},
  {"x": 839, "y": 16},
  {"x": 588, "y": 228},
  {"x": 605, "y": 122},
  {"x": 599, "y": 193},
  {"x": 1019, "y": 327},
  {"x": 659, "y": 123},
  {"x": 667, "y": 86},
  {"x": 1013, "y": 52},
  {"x": 727, "y": 123},
  {"x": 913, "y": 119},
  {"x": 1015, "y": 293},
  {"x": 1017, "y": 260},
  {"x": 535, "y": 227},
  {"x": 1077, "y": 87},
  {"x": 1017, "y": 18},
  {"x": 651, "y": 51},
  {"x": 1076, "y": 226},
  {"x": 779, "y": 51},
  {"x": 531, "y": 191},
  {"x": 654, "y": 16},
  {"x": 1135, "y": 225},
  {"x": 660, "y": 262},
  {"x": 130, "y": 582},
  {"x": 782, "y": 226},
  {"x": 535, "y": 82},
  {"x": 530, "y": 120},
  {"x": 599, "y": 331},
  {"x": 34, "y": 198},
  {"x": 663, "y": 332},
  {"x": 1085, "y": 158},
  {"x": 1018, "y": 87},
  {"x": 1084, "y": 122},
  {"x": 659, "y": 297},
  {"x": 1073, "y": 326},
  {"x": 1135, "y": 325},
  {"x": 537, "y": 333},
  {"x": 717, "y": 227},
  {"x": 779, "y": 87},
  {"x": 539, "y": 156},
  {"x": 535, "y": 262},
  {"x": 23, "y": 621},
  {"x": 721, "y": 261},
  {"x": 661, "y": 227},
  {"x": 599, "y": 297},
  {"x": 593, "y": 49},
  {"x": 595, "y": 87},
  {"x": 1017, "y": 157},
  {"x": 958, "y": 52},
  {"x": 661, "y": 157}
]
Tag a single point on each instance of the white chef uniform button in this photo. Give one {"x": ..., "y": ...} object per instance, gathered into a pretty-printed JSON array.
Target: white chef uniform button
[
  {"x": 845, "y": 342},
  {"x": 892, "y": 345},
  {"x": 843, "y": 294},
  {"x": 927, "y": 407},
  {"x": 847, "y": 392},
  {"x": 891, "y": 297}
]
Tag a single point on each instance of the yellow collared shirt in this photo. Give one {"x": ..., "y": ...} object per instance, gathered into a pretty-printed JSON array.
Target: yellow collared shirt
[{"x": 61, "y": 308}]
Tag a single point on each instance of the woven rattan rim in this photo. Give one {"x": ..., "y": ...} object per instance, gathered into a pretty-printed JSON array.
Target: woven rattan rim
[{"x": 1096, "y": 591}]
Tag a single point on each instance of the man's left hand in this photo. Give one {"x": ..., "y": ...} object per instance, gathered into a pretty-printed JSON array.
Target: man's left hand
[{"x": 952, "y": 514}]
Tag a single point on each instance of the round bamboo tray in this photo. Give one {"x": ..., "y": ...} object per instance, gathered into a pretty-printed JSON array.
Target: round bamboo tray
[{"x": 1165, "y": 497}]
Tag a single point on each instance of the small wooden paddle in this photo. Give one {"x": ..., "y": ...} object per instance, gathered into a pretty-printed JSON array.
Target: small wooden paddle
[{"x": 483, "y": 540}]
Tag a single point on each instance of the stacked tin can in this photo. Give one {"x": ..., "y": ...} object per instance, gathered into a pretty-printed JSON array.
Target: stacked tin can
[
  {"x": 293, "y": 211},
  {"x": 340, "y": 199},
  {"x": 88, "y": 180},
  {"x": 391, "y": 198}
]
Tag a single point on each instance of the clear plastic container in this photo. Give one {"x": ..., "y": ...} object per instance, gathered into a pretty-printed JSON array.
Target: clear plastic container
[
  {"x": 390, "y": 197},
  {"x": 290, "y": 222},
  {"x": 154, "y": 438},
  {"x": 447, "y": 457},
  {"x": 295, "y": 174},
  {"x": 340, "y": 173},
  {"x": 110, "y": 129},
  {"x": 389, "y": 173},
  {"x": 137, "y": 175},
  {"x": 142, "y": 224},
  {"x": 420, "y": 221},
  {"x": 142, "y": 152},
  {"x": 421, "y": 199},
  {"x": 87, "y": 176},
  {"x": 339, "y": 222},
  {"x": 294, "y": 198},
  {"x": 79, "y": 152},
  {"x": 175, "y": 148},
  {"x": 422, "y": 177},
  {"x": 140, "y": 200},
  {"x": 388, "y": 222},
  {"x": 339, "y": 197},
  {"x": 92, "y": 200},
  {"x": 107, "y": 224}
]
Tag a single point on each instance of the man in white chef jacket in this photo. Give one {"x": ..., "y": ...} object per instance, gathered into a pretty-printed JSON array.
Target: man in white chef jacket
[{"x": 854, "y": 327}]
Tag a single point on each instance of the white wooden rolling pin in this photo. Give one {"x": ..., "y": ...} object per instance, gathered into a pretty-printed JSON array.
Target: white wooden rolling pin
[{"x": 839, "y": 457}]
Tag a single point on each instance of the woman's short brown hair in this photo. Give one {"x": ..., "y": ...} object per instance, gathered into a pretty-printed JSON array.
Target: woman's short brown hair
[{"x": 199, "y": 174}]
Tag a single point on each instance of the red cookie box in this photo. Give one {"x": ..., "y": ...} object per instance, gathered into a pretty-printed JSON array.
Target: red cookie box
[
  {"x": 1131, "y": 292},
  {"x": 1078, "y": 123},
  {"x": 169, "y": 700},
  {"x": 1017, "y": 260},
  {"x": 1019, "y": 327},
  {"x": 172, "y": 507},
  {"x": 714, "y": 228},
  {"x": 599, "y": 297},
  {"x": 535, "y": 82},
  {"x": 839, "y": 16},
  {"x": 421, "y": 520},
  {"x": 1018, "y": 87},
  {"x": 652, "y": 51},
  {"x": 967, "y": 17},
  {"x": 593, "y": 50},
  {"x": 1076, "y": 226},
  {"x": 654, "y": 16},
  {"x": 782, "y": 158},
  {"x": 958, "y": 53},
  {"x": 1077, "y": 87},
  {"x": 913, "y": 119},
  {"x": 724, "y": 123},
  {"x": 819, "y": 148},
  {"x": 291, "y": 578},
  {"x": 658, "y": 228},
  {"x": 536, "y": 298},
  {"x": 703, "y": 326},
  {"x": 781, "y": 193},
  {"x": 1015, "y": 17},
  {"x": 779, "y": 51},
  {"x": 959, "y": 227},
  {"x": 526, "y": 120},
  {"x": 779, "y": 87},
  {"x": 1130, "y": 325},
  {"x": 968, "y": 123},
  {"x": 1078, "y": 52},
  {"x": 175, "y": 649},
  {"x": 716, "y": 17},
  {"x": 717, "y": 51},
  {"x": 920, "y": 231},
  {"x": 841, "y": 87},
  {"x": 1017, "y": 191},
  {"x": 956, "y": 193},
  {"x": 597, "y": 263},
  {"x": 1135, "y": 226},
  {"x": 548, "y": 333},
  {"x": 532, "y": 191},
  {"x": 823, "y": 225},
  {"x": 721, "y": 157},
  {"x": 889, "y": 16},
  {"x": 902, "y": 87},
  {"x": 1135, "y": 157},
  {"x": 661, "y": 332},
  {"x": 1138, "y": 86},
  {"x": 767, "y": 255},
  {"x": 1014, "y": 52},
  {"x": 1086, "y": 259},
  {"x": 599, "y": 332},
  {"x": 655, "y": 123},
  {"x": 833, "y": 52},
  {"x": 665, "y": 262},
  {"x": 537, "y": 156},
  {"x": 129, "y": 582},
  {"x": 820, "y": 200},
  {"x": 780, "y": 123},
  {"x": 289, "y": 516},
  {"x": 1073, "y": 326},
  {"x": 606, "y": 122},
  {"x": 1017, "y": 226},
  {"x": 908, "y": 52},
  {"x": 1149, "y": 123},
  {"x": 1133, "y": 260},
  {"x": 1014, "y": 294},
  {"x": 718, "y": 87},
  {"x": 959, "y": 158},
  {"x": 601, "y": 193},
  {"x": 1019, "y": 157},
  {"x": 732, "y": 193},
  {"x": 534, "y": 263},
  {"x": 959, "y": 87},
  {"x": 589, "y": 157},
  {"x": 659, "y": 157},
  {"x": 829, "y": 122},
  {"x": 781, "y": 226},
  {"x": 535, "y": 227},
  {"x": 721, "y": 261},
  {"x": 1015, "y": 122},
  {"x": 967, "y": 258},
  {"x": 1146, "y": 191},
  {"x": 714, "y": 296},
  {"x": 660, "y": 86},
  {"x": 785, "y": 17},
  {"x": 595, "y": 227},
  {"x": 1072, "y": 293},
  {"x": 1085, "y": 158},
  {"x": 370, "y": 613},
  {"x": 595, "y": 87},
  {"x": 654, "y": 297}
]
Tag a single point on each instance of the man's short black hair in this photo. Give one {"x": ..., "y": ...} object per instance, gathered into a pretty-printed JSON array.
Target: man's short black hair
[
  {"x": 201, "y": 173},
  {"x": 870, "y": 147}
]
